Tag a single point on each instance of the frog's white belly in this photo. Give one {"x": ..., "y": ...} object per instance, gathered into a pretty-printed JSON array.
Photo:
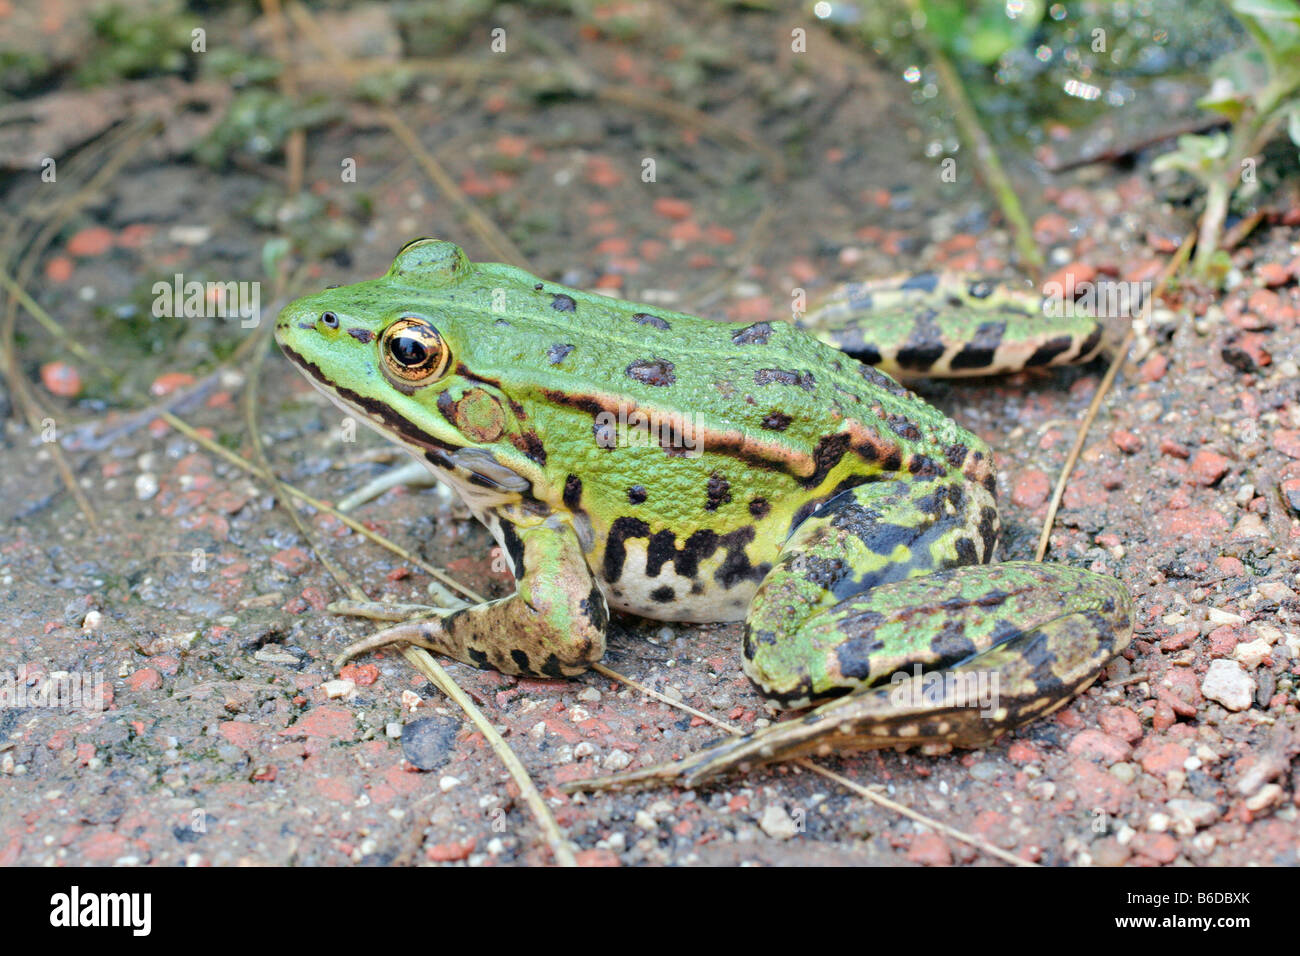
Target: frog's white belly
[{"x": 701, "y": 599}]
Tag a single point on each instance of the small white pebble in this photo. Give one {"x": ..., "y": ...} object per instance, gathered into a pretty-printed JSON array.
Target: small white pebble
[
  {"x": 1267, "y": 796},
  {"x": 777, "y": 823},
  {"x": 616, "y": 760},
  {"x": 589, "y": 695},
  {"x": 146, "y": 486},
  {"x": 1228, "y": 684},
  {"x": 448, "y": 783},
  {"x": 334, "y": 689},
  {"x": 393, "y": 729},
  {"x": 1252, "y": 653},
  {"x": 1219, "y": 616},
  {"x": 91, "y": 622}
]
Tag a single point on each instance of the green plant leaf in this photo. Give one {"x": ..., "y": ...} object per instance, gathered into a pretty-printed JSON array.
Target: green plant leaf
[
  {"x": 1268, "y": 9},
  {"x": 1293, "y": 123},
  {"x": 1224, "y": 98},
  {"x": 1198, "y": 155},
  {"x": 980, "y": 31}
]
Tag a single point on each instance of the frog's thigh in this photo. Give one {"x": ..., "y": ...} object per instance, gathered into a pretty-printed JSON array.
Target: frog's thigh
[
  {"x": 552, "y": 626},
  {"x": 1032, "y": 635},
  {"x": 860, "y": 541},
  {"x": 949, "y": 325}
]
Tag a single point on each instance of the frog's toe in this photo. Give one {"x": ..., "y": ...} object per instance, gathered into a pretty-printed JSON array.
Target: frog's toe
[{"x": 419, "y": 632}]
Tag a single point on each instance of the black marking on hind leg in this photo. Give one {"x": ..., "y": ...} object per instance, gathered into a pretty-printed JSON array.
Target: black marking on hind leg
[
  {"x": 924, "y": 346},
  {"x": 1049, "y": 350},
  {"x": 979, "y": 351}
]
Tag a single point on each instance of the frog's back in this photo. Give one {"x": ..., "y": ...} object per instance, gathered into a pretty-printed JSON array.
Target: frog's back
[{"x": 763, "y": 392}]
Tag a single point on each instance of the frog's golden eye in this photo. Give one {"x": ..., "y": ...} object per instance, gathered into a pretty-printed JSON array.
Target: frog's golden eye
[{"x": 413, "y": 352}]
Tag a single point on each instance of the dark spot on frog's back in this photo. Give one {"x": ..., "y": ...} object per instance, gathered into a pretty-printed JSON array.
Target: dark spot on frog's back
[
  {"x": 558, "y": 353},
  {"x": 657, "y": 372},
  {"x": 717, "y": 492},
  {"x": 780, "y": 376},
  {"x": 879, "y": 379},
  {"x": 904, "y": 427},
  {"x": 563, "y": 303},
  {"x": 364, "y": 336},
  {"x": 756, "y": 334},
  {"x": 595, "y": 609},
  {"x": 645, "y": 318},
  {"x": 776, "y": 421},
  {"x": 988, "y": 529},
  {"x": 758, "y": 507},
  {"x": 955, "y": 454},
  {"x": 923, "y": 466},
  {"x": 636, "y": 495},
  {"x": 830, "y": 449}
]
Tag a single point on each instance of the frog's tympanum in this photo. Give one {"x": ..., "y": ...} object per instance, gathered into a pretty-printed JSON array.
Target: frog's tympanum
[{"x": 630, "y": 458}]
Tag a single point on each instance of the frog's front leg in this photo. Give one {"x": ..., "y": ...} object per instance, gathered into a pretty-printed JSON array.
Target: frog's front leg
[{"x": 552, "y": 626}]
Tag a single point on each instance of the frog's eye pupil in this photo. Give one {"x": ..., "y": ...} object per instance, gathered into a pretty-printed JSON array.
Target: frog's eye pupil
[
  {"x": 413, "y": 352},
  {"x": 330, "y": 320},
  {"x": 409, "y": 351}
]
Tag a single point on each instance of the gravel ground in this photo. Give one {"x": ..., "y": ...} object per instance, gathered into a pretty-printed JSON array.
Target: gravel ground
[{"x": 224, "y": 735}]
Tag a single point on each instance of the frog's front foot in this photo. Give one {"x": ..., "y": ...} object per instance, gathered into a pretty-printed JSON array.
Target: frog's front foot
[{"x": 408, "y": 615}]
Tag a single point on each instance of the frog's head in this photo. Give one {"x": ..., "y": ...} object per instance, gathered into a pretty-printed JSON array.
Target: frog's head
[{"x": 389, "y": 350}]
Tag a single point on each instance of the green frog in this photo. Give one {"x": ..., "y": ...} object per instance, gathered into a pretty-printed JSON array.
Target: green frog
[{"x": 635, "y": 459}]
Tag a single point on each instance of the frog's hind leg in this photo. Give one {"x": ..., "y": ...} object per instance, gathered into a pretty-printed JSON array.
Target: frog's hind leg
[
  {"x": 946, "y": 325},
  {"x": 880, "y": 601},
  {"x": 856, "y": 543},
  {"x": 1018, "y": 639}
]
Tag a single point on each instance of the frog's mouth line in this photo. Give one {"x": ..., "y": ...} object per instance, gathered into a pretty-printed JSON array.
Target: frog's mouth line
[
  {"x": 378, "y": 415},
  {"x": 477, "y": 490}
]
